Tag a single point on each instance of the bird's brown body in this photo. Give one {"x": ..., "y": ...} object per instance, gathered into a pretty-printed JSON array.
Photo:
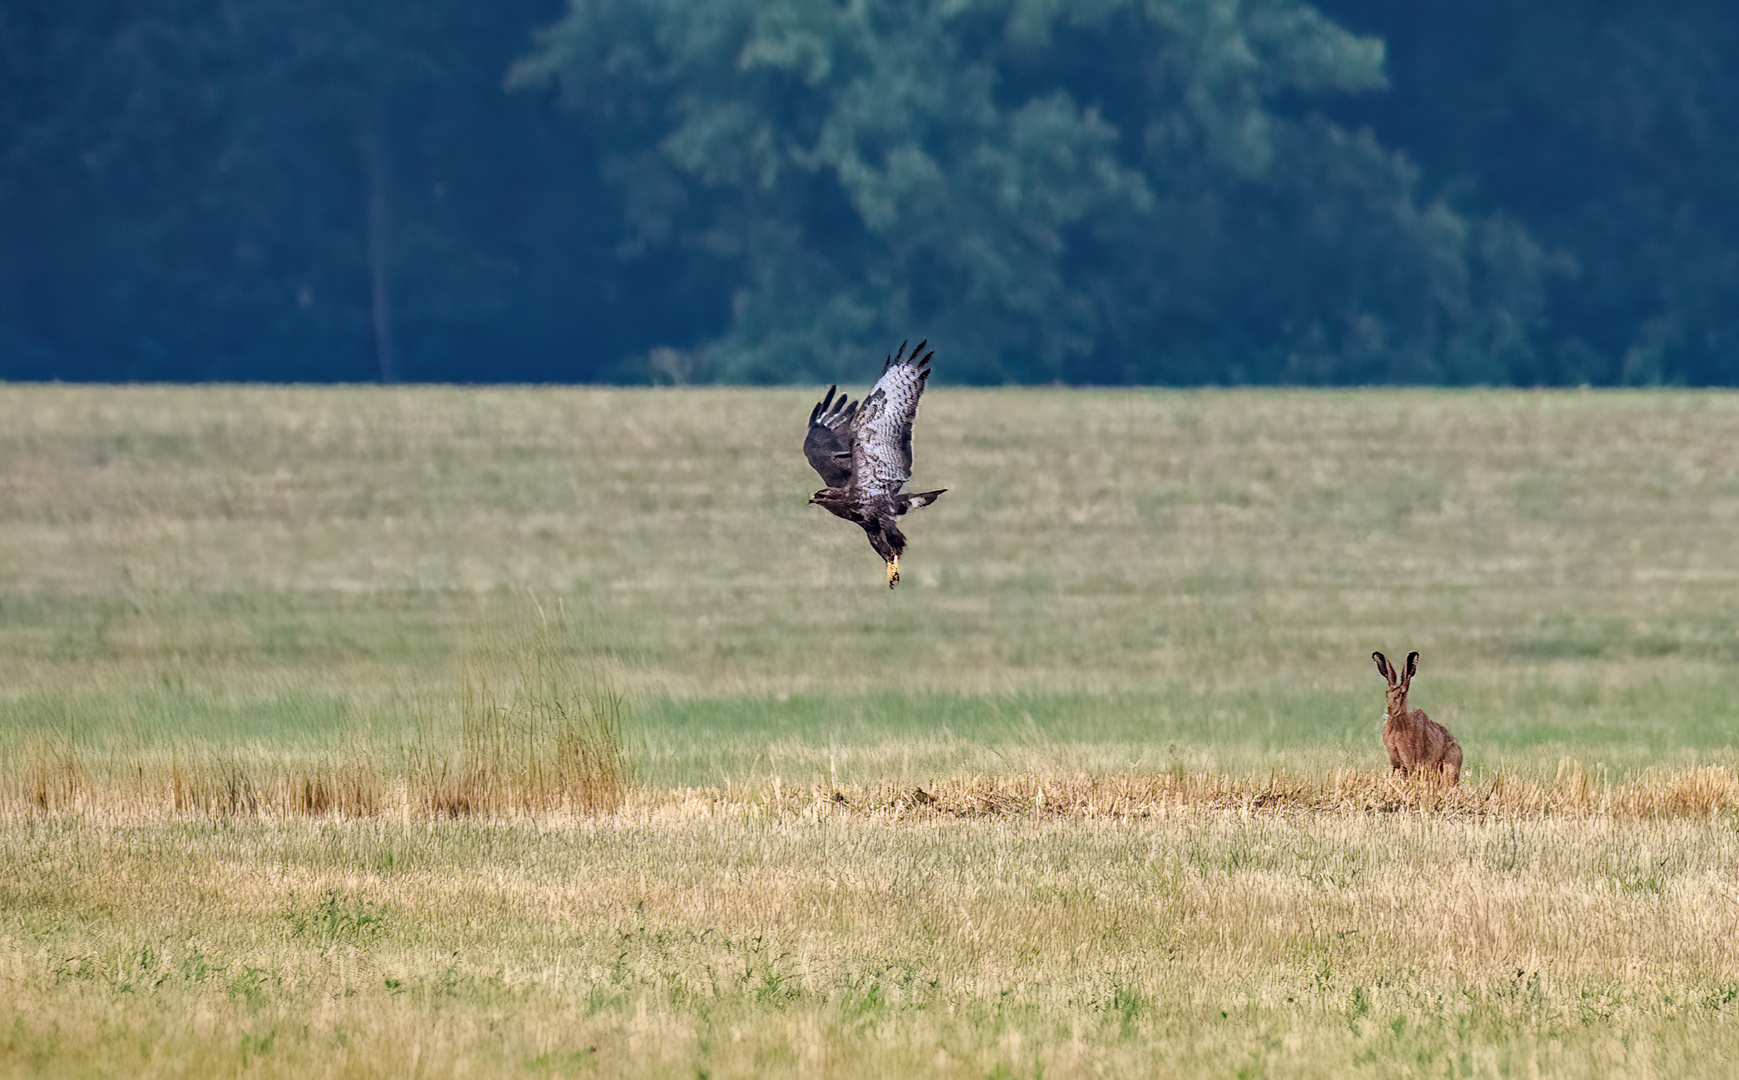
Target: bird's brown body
[{"x": 878, "y": 517}]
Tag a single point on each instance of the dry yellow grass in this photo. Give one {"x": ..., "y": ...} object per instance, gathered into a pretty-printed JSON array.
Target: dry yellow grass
[
  {"x": 704, "y": 933},
  {"x": 1098, "y": 791},
  {"x": 492, "y": 777}
]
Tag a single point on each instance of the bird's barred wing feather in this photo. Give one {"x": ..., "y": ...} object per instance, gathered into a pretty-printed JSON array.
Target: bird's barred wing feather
[
  {"x": 828, "y": 444},
  {"x": 881, "y": 453}
]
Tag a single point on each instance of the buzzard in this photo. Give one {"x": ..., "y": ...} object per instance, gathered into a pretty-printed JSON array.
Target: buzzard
[{"x": 863, "y": 452}]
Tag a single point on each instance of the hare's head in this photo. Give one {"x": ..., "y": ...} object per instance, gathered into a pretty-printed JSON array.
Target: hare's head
[{"x": 1396, "y": 706}]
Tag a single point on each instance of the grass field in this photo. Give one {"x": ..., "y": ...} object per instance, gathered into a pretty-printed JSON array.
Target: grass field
[{"x": 311, "y": 703}]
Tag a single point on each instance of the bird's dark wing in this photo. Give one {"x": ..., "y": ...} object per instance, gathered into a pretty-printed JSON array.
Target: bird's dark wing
[
  {"x": 882, "y": 451},
  {"x": 828, "y": 444}
]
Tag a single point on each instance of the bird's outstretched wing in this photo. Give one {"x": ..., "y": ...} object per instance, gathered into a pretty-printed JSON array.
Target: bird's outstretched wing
[
  {"x": 828, "y": 444},
  {"x": 881, "y": 453}
]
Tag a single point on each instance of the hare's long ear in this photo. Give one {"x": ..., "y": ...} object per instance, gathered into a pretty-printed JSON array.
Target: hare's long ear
[
  {"x": 1412, "y": 668},
  {"x": 1383, "y": 667}
]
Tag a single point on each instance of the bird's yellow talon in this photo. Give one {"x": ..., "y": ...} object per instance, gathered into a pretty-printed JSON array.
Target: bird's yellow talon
[{"x": 893, "y": 571}]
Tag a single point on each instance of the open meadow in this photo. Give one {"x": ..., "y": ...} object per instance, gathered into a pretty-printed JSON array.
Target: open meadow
[{"x": 475, "y": 732}]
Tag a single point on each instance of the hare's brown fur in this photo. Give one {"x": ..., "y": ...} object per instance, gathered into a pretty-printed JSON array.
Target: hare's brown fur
[{"x": 1414, "y": 740}]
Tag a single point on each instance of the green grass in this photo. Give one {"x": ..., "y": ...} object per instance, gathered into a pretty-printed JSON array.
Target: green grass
[{"x": 254, "y": 643}]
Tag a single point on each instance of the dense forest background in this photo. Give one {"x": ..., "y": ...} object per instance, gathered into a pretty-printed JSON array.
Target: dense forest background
[{"x": 1077, "y": 191}]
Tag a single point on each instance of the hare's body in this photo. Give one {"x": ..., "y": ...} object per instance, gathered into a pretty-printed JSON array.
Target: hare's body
[{"x": 1414, "y": 740}]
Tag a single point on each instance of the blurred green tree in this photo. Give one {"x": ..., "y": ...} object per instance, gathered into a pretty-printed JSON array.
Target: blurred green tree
[
  {"x": 1608, "y": 130},
  {"x": 1098, "y": 191},
  {"x": 291, "y": 190}
]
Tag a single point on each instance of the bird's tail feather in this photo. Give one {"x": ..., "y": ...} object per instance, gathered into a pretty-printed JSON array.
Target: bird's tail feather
[
  {"x": 919, "y": 498},
  {"x": 913, "y": 500}
]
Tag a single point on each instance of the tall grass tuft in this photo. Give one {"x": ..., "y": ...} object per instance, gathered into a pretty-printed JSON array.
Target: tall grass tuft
[
  {"x": 211, "y": 783},
  {"x": 547, "y": 735},
  {"x": 54, "y": 775}
]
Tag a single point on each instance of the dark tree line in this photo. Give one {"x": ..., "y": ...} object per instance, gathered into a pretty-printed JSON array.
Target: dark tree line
[
  {"x": 1611, "y": 130},
  {"x": 1103, "y": 191},
  {"x": 291, "y": 189}
]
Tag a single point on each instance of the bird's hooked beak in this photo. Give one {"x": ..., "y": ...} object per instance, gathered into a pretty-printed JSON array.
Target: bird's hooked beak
[{"x": 893, "y": 571}]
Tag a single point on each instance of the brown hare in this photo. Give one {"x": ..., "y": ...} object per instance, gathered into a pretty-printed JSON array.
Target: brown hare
[{"x": 1414, "y": 740}]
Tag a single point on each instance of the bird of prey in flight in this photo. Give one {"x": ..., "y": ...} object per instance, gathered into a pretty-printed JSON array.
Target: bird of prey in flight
[{"x": 863, "y": 452}]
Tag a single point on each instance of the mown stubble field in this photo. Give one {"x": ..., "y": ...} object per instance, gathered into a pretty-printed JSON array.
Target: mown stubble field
[{"x": 298, "y": 687}]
